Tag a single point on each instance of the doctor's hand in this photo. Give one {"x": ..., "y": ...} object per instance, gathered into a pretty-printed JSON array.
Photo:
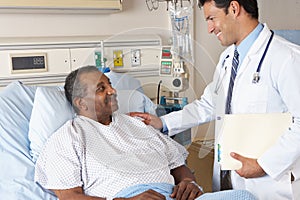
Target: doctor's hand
[
  {"x": 250, "y": 167},
  {"x": 148, "y": 119}
]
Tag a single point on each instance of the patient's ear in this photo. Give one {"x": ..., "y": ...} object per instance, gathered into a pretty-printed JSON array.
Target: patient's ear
[{"x": 80, "y": 103}]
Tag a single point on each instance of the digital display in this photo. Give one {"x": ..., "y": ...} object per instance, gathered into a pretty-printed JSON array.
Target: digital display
[{"x": 30, "y": 62}]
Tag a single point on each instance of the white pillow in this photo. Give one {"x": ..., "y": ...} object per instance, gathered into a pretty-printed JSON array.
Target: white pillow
[
  {"x": 50, "y": 111},
  {"x": 134, "y": 101}
]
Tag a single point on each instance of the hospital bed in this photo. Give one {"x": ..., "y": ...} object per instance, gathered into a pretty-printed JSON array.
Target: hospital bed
[{"x": 28, "y": 115}]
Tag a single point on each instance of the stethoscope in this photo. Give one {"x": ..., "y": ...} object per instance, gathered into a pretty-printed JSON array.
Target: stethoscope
[{"x": 256, "y": 75}]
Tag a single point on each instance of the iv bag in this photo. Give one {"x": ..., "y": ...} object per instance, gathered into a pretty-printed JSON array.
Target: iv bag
[{"x": 181, "y": 31}]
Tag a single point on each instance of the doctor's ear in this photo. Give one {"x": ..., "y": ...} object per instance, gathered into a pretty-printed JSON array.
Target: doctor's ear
[{"x": 234, "y": 7}]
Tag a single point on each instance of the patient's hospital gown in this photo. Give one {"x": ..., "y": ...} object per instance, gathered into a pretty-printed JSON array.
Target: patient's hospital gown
[{"x": 106, "y": 159}]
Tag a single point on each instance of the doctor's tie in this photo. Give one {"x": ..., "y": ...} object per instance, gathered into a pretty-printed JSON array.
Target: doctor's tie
[
  {"x": 235, "y": 64},
  {"x": 225, "y": 174}
]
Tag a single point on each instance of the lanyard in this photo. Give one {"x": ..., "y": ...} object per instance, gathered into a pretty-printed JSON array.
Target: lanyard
[{"x": 256, "y": 75}]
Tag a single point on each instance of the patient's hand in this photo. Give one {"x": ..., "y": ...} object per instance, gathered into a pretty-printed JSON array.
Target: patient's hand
[
  {"x": 148, "y": 119},
  {"x": 186, "y": 189},
  {"x": 148, "y": 195}
]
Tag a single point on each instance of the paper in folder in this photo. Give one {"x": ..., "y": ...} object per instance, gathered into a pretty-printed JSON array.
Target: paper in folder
[{"x": 249, "y": 135}]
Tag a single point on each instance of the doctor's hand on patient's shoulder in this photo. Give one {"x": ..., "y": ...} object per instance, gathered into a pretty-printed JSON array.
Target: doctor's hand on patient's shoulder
[
  {"x": 250, "y": 167},
  {"x": 186, "y": 190},
  {"x": 148, "y": 119}
]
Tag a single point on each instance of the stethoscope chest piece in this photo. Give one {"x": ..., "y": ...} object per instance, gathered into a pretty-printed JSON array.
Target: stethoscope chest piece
[{"x": 256, "y": 77}]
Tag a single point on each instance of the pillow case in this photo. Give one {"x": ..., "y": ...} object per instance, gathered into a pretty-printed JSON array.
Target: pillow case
[
  {"x": 122, "y": 81},
  {"x": 16, "y": 102},
  {"x": 50, "y": 111},
  {"x": 134, "y": 101},
  {"x": 16, "y": 166}
]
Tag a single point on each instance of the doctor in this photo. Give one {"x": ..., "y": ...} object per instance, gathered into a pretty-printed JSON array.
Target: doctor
[{"x": 266, "y": 81}]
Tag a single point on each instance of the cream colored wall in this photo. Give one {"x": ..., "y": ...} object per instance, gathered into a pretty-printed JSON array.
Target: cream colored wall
[
  {"x": 277, "y": 14},
  {"x": 280, "y": 14},
  {"x": 135, "y": 18}
]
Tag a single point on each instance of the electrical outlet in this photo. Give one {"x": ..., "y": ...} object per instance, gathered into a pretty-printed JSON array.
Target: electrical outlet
[
  {"x": 135, "y": 57},
  {"x": 118, "y": 58}
]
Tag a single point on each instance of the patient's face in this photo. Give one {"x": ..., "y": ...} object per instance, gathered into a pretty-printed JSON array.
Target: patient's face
[{"x": 101, "y": 97}]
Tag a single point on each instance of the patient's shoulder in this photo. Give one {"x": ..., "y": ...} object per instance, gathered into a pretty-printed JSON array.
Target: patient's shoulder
[
  {"x": 65, "y": 134},
  {"x": 135, "y": 124},
  {"x": 126, "y": 119}
]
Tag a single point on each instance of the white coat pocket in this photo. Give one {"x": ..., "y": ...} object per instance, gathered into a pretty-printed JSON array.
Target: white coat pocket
[{"x": 252, "y": 98}]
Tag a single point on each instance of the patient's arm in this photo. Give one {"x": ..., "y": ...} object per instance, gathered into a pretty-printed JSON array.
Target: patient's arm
[
  {"x": 74, "y": 194},
  {"x": 185, "y": 188},
  {"x": 77, "y": 194}
]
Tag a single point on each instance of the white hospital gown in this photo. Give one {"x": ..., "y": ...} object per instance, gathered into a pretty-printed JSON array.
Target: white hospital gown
[{"x": 106, "y": 159}]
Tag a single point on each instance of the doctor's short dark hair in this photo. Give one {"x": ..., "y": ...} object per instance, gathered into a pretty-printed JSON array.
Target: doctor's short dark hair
[
  {"x": 73, "y": 87},
  {"x": 249, "y": 5}
]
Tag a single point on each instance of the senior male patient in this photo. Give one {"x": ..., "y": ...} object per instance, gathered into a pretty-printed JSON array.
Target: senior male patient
[{"x": 102, "y": 154}]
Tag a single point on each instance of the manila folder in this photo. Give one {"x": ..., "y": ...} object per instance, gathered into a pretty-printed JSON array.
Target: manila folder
[{"x": 249, "y": 135}]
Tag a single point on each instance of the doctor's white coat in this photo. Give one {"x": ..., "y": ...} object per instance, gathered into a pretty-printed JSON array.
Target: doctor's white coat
[{"x": 277, "y": 91}]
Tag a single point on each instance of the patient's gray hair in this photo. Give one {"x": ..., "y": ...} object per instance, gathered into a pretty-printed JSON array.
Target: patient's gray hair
[{"x": 73, "y": 87}]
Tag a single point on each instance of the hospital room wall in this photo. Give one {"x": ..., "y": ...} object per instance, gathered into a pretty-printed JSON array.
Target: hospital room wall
[
  {"x": 135, "y": 18},
  {"x": 277, "y": 14}
]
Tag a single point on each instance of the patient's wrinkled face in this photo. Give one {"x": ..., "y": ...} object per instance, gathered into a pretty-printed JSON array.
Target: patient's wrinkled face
[{"x": 101, "y": 98}]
